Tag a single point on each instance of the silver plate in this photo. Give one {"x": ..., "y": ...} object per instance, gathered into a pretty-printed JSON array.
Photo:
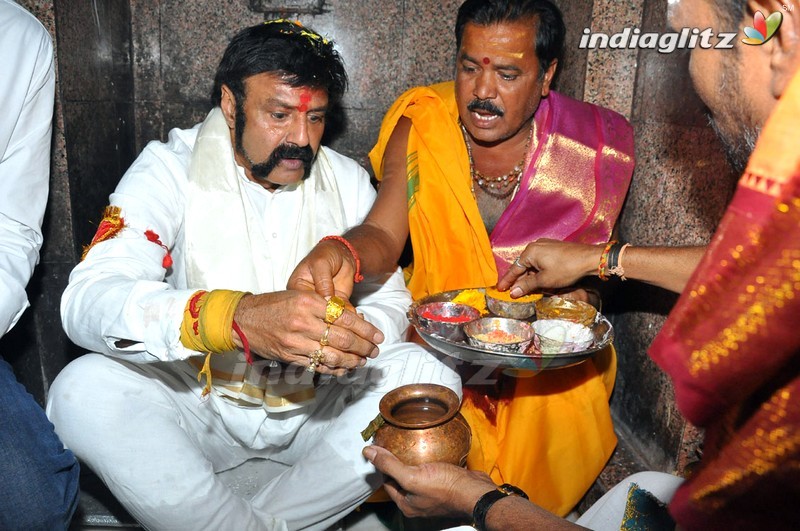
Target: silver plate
[{"x": 602, "y": 329}]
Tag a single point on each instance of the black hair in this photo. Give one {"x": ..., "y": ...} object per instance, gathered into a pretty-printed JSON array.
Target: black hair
[
  {"x": 301, "y": 56},
  {"x": 550, "y": 29}
]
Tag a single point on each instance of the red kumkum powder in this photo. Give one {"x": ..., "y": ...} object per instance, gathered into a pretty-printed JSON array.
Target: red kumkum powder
[
  {"x": 427, "y": 314},
  {"x": 305, "y": 98}
]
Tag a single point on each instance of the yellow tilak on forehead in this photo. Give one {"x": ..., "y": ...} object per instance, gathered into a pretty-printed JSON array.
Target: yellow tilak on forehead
[
  {"x": 493, "y": 48},
  {"x": 503, "y": 56}
]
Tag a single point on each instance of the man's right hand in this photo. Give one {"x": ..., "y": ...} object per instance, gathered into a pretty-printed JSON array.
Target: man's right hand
[
  {"x": 547, "y": 264},
  {"x": 430, "y": 489},
  {"x": 442, "y": 489},
  {"x": 287, "y": 326},
  {"x": 328, "y": 269}
]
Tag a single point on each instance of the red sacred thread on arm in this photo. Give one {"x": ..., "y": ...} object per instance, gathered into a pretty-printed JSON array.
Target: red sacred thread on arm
[
  {"x": 194, "y": 311},
  {"x": 166, "y": 263},
  {"x": 245, "y": 343},
  {"x": 601, "y": 268},
  {"x": 357, "y": 277}
]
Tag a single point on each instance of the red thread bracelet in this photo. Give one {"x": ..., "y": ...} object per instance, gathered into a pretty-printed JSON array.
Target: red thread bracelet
[
  {"x": 245, "y": 343},
  {"x": 358, "y": 277},
  {"x": 601, "y": 269}
]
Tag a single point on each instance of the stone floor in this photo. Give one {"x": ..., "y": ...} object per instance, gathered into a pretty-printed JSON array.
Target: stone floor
[
  {"x": 624, "y": 462},
  {"x": 99, "y": 511}
]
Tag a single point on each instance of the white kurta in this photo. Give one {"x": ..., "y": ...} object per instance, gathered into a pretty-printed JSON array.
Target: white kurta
[
  {"x": 27, "y": 84},
  {"x": 135, "y": 415}
]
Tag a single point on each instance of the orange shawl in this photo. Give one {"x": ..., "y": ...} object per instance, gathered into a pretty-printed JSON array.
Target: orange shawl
[{"x": 550, "y": 434}]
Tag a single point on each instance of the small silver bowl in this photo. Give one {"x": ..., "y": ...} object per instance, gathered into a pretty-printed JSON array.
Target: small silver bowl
[
  {"x": 510, "y": 309},
  {"x": 560, "y": 308},
  {"x": 499, "y": 334},
  {"x": 559, "y": 336},
  {"x": 446, "y": 319}
]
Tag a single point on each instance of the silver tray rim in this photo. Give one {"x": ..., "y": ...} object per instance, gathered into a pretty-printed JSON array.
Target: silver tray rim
[{"x": 602, "y": 328}]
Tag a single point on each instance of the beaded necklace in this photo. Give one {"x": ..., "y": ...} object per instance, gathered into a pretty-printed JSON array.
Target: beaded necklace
[{"x": 497, "y": 187}]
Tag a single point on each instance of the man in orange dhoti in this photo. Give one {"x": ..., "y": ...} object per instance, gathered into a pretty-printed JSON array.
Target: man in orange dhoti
[
  {"x": 731, "y": 344},
  {"x": 483, "y": 166}
]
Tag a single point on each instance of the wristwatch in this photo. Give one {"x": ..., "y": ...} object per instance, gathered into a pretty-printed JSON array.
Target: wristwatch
[{"x": 487, "y": 500}]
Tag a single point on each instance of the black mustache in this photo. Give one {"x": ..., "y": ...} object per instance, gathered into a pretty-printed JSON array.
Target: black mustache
[
  {"x": 290, "y": 151},
  {"x": 484, "y": 105},
  {"x": 284, "y": 151}
]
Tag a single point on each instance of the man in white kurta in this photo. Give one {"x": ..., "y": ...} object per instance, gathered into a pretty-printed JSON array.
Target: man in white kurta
[
  {"x": 189, "y": 215},
  {"x": 38, "y": 477}
]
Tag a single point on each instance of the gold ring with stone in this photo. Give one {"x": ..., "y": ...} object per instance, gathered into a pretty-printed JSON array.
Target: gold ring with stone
[
  {"x": 323, "y": 342},
  {"x": 318, "y": 356},
  {"x": 334, "y": 309}
]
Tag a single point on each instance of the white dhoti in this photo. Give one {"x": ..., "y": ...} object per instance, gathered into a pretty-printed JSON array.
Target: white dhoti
[{"x": 157, "y": 444}]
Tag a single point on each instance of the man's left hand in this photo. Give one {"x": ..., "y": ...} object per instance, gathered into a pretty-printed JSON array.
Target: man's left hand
[{"x": 290, "y": 326}]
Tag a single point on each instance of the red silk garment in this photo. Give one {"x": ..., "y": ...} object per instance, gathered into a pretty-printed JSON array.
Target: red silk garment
[{"x": 732, "y": 346}]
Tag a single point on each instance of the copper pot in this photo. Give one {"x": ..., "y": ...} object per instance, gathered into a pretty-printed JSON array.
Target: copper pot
[{"x": 422, "y": 425}]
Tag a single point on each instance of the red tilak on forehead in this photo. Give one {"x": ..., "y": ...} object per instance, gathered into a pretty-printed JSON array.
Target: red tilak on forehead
[
  {"x": 486, "y": 60},
  {"x": 305, "y": 98}
]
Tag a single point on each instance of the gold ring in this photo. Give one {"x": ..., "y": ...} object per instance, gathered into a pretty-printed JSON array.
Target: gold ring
[
  {"x": 323, "y": 342},
  {"x": 318, "y": 356},
  {"x": 334, "y": 309}
]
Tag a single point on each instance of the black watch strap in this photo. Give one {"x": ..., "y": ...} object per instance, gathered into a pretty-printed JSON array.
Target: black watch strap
[
  {"x": 487, "y": 500},
  {"x": 512, "y": 490}
]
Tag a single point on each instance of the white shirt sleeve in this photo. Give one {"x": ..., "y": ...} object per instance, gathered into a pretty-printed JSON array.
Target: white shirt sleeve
[
  {"x": 120, "y": 300},
  {"x": 27, "y": 91},
  {"x": 385, "y": 305}
]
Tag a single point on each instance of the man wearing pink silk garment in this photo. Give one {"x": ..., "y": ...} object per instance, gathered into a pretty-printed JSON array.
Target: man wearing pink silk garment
[
  {"x": 472, "y": 171},
  {"x": 731, "y": 344}
]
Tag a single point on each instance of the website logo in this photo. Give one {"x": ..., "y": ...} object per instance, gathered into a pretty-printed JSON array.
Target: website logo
[
  {"x": 763, "y": 28},
  {"x": 687, "y": 38}
]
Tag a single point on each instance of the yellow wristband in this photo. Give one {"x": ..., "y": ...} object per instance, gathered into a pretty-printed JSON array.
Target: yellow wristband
[
  {"x": 190, "y": 326},
  {"x": 208, "y": 319},
  {"x": 216, "y": 319},
  {"x": 208, "y": 324}
]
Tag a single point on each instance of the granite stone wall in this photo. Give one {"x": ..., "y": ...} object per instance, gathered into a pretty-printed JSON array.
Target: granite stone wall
[
  {"x": 36, "y": 346},
  {"x": 129, "y": 71},
  {"x": 680, "y": 188}
]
